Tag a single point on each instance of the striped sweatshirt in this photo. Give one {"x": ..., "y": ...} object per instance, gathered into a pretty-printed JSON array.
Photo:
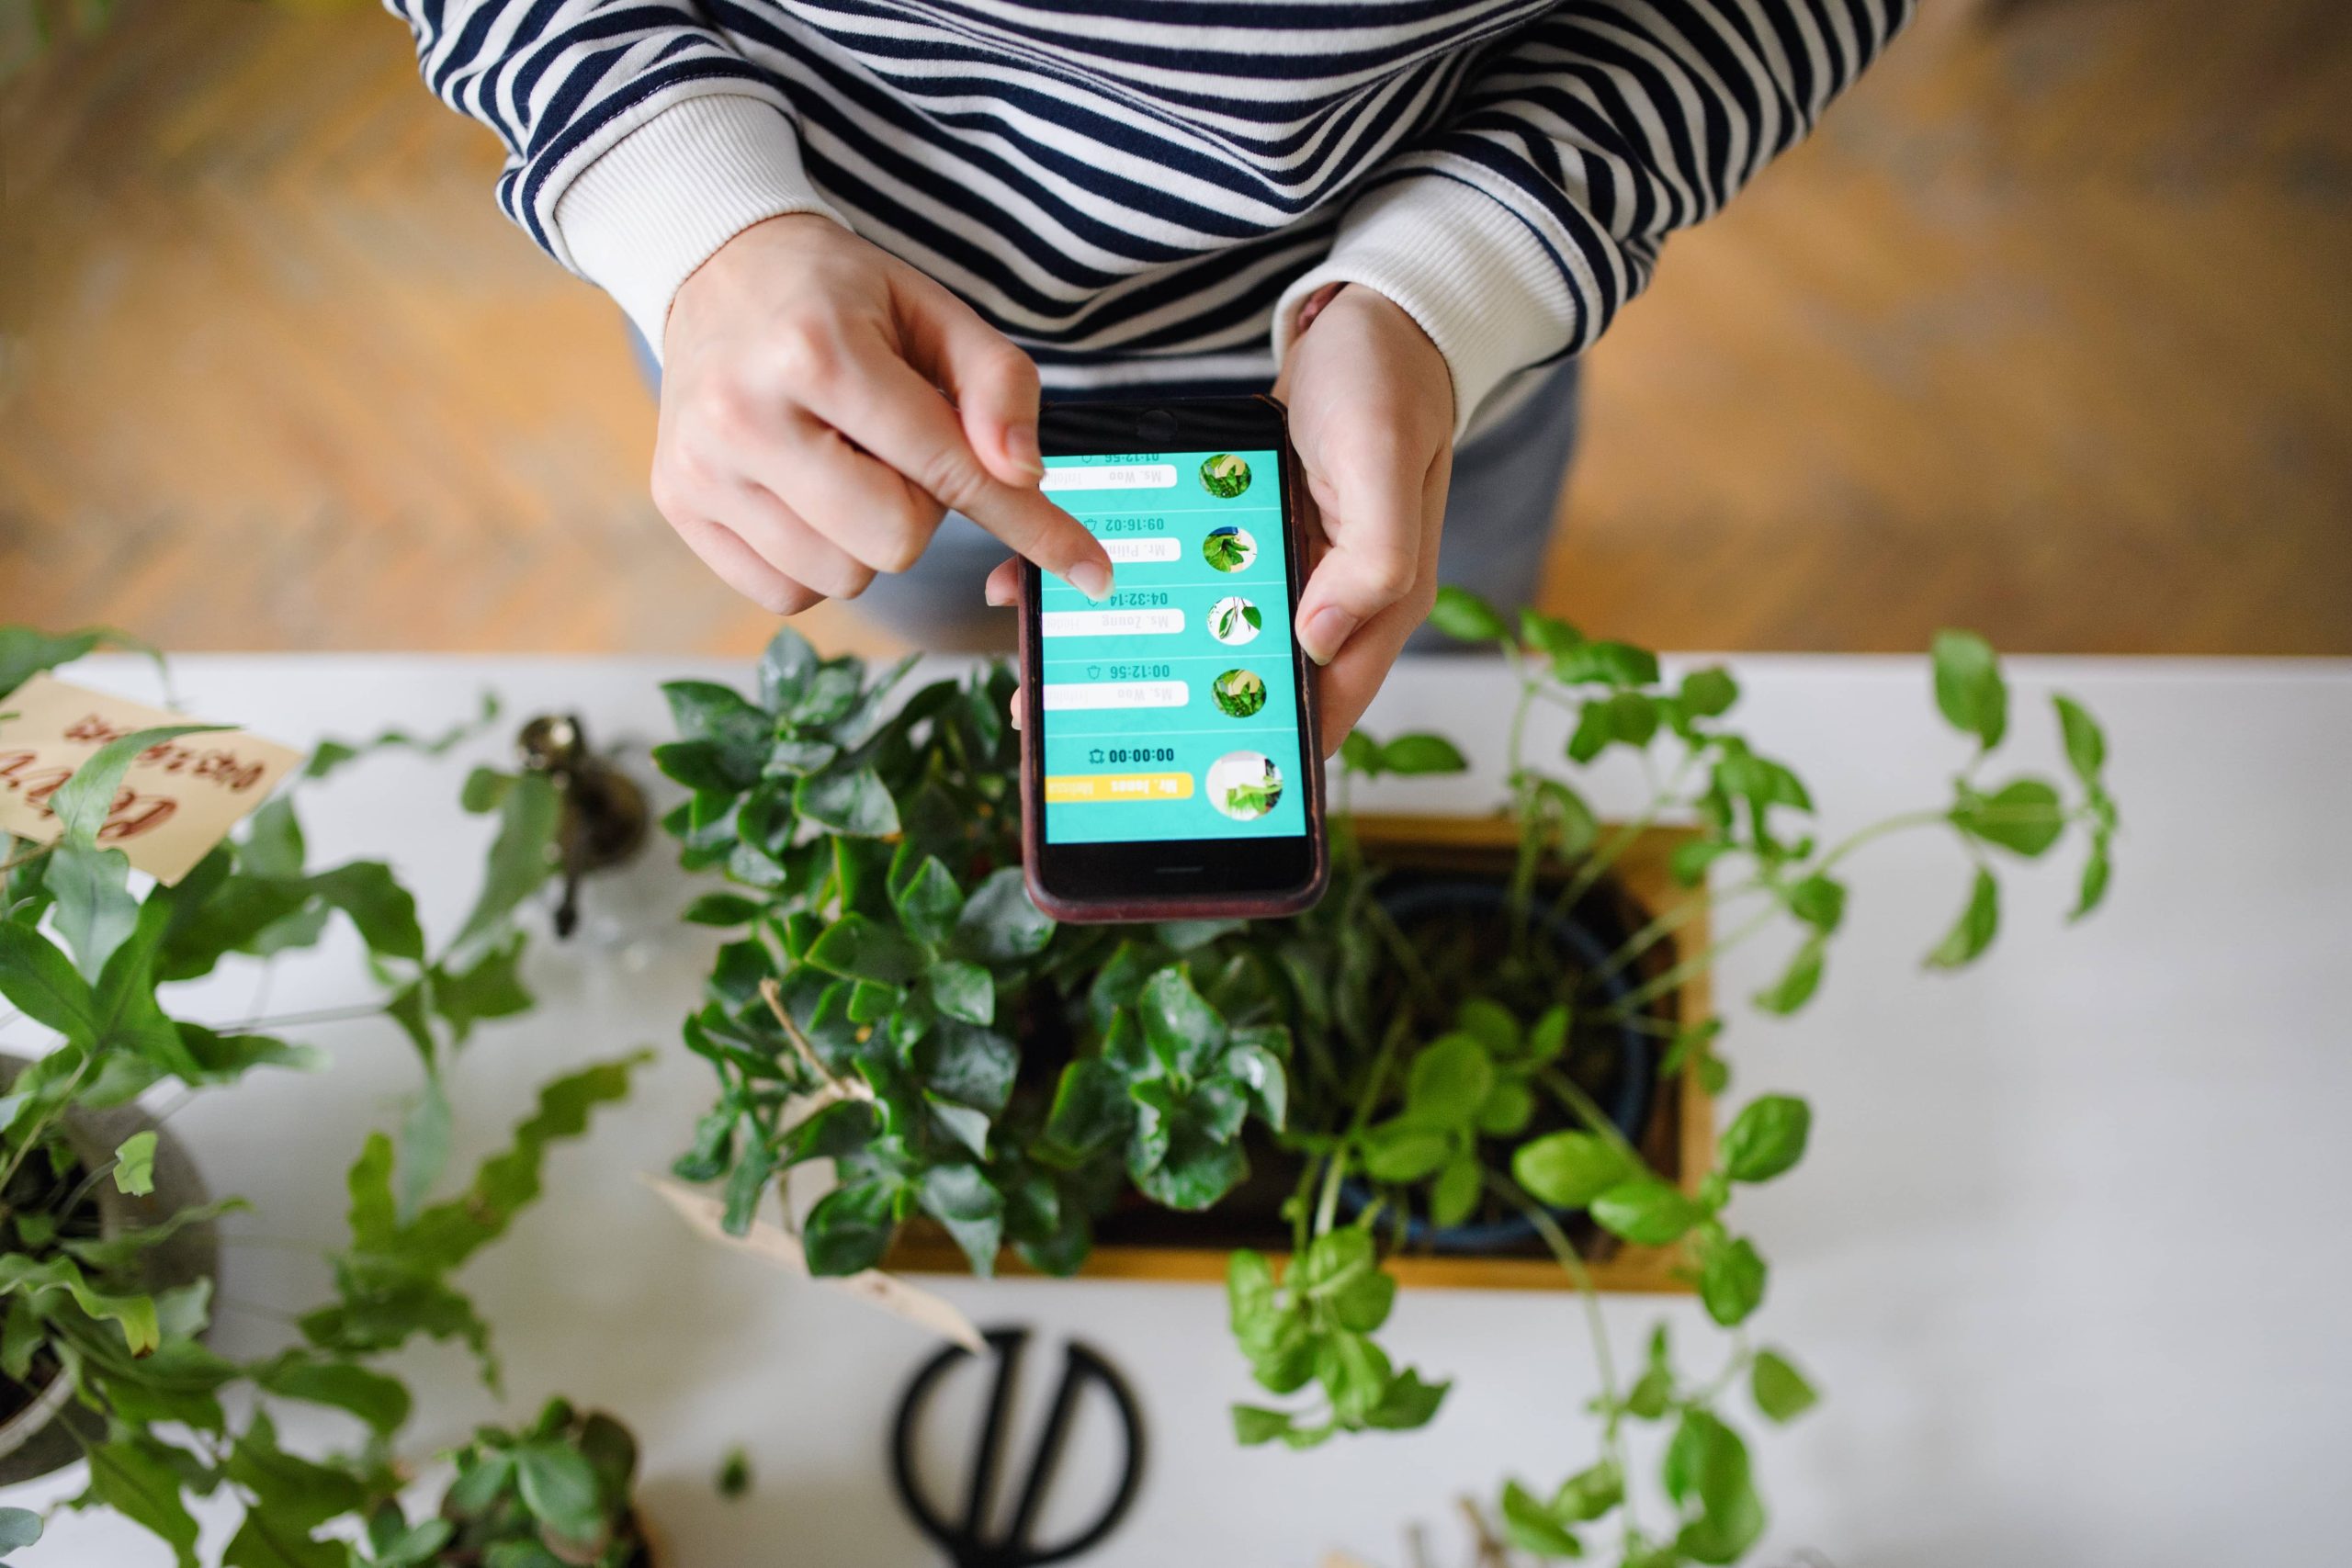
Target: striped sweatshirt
[{"x": 1143, "y": 193}]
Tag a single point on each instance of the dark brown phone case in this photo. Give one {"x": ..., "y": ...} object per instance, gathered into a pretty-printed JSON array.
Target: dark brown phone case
[{"x": 1166, "y": 907}]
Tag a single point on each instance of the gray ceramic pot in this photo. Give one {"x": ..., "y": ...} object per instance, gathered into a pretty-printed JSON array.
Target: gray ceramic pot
[{"x": 41, "y": 1435}]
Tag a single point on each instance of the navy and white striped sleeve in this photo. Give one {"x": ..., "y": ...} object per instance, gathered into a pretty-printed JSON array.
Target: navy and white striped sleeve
[
  {"x": 600, "y": 104},
  {"x": 1515, "y": 233}
]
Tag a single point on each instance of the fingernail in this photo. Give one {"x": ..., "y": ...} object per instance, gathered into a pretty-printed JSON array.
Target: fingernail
[
  {"x": 1021, "y": 448},
  {"x": 1091, "y": 579},
  {"x": 1326, "y": 632}
]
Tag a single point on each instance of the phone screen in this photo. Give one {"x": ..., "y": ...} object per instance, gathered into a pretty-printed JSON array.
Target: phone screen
[{"x": 1170, "y": 711}]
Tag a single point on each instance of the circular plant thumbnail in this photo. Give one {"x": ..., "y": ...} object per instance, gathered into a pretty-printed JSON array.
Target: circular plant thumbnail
[
  {"x": 1235, "y": 620},
  {"x": 1230, "y": 549},
  {"x": 1245, "y": 784},
  {"x": 1225, "y": 476},
  {"x": 1238, "y": 692}
]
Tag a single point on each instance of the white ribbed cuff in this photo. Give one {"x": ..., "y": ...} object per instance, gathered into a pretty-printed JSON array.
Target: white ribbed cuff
[
  {"x": 640, "y": 220},
  {"x": 1470, "y": 272}
]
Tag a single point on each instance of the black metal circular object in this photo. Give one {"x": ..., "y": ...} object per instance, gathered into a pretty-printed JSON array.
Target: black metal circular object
[{"x": 968, "y": 1541}]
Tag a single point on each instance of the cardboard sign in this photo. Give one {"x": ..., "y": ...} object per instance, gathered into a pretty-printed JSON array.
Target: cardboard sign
[
  {"x": 781, "y": 1248},
  {"x": 178, "y": 800}
]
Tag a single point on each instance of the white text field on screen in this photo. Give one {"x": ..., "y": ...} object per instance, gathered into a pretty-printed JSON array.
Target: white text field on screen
[
  {"x": 1115, "y": 476},
  {"x": 1111, "y": 623},
  {"x": 1116, "y": 694}
]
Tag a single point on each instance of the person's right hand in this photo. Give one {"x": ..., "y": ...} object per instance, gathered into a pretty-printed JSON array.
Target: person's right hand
[{"x": 805, "y": 442}]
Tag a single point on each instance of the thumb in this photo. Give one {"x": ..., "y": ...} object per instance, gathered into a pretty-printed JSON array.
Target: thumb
[
  {"x": 1376, "y": 527},
  {"x": 993, "y": 384}
]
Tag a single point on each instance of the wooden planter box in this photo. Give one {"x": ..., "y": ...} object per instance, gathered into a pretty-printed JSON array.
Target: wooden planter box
[{"x": 1678, "y": 1143}]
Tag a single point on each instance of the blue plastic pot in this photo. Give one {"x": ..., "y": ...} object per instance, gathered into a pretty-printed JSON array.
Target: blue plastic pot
[{"x": 1629, "y": 1098}]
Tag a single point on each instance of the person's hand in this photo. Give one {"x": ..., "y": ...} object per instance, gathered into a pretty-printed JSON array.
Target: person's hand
[
  {"x": 805, "y": 442},
  {"x": 1371, "y": 404}
]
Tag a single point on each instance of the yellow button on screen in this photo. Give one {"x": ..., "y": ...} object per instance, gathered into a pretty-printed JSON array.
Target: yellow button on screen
[{"x": 1065, "y": 788}]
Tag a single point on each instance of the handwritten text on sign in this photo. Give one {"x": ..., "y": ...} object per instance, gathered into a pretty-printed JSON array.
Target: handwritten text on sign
[{"x": 177, "y": 799}]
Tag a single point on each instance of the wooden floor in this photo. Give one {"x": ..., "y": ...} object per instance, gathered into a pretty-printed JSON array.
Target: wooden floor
[{"x": 2045, "y": 334}]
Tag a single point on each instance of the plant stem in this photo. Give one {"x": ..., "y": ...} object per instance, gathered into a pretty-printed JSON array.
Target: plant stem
[
  {"x": 1665, "y": 925},
  {"x": 1879, "y": 829},
  {"x": 1698, "y": 962},
  {"x": 1604, "y": 1360},
  {"x": 347, "y": 1014}
]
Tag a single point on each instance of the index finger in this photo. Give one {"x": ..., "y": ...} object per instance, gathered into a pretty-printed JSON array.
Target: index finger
[{"x": 904, "y": 421}]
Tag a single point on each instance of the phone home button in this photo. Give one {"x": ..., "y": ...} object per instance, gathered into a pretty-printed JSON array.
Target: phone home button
[{"x": 1192, "y": 870}]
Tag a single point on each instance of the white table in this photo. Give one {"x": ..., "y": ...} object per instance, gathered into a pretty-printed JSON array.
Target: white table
[{"x": 2067, "y": 1258}]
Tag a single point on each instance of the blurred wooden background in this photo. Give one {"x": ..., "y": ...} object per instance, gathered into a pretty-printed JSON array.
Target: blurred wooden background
[{"x": 2045, "y": 334}]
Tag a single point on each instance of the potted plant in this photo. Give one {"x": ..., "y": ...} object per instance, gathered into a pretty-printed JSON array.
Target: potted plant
[
  {"x": 106, "y": 1264},
  {"x": 1490, "y": 1038}
]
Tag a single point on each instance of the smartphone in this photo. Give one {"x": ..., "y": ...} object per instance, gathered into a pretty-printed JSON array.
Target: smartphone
[{"x": 1170, "y": 763}]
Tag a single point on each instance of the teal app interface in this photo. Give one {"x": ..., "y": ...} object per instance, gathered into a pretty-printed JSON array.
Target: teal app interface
[{"x": 1170, "y": 710}]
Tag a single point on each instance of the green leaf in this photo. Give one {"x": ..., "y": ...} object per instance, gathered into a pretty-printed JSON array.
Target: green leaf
[
  {"x": 1799, "y": 981},
  {"x": 785, "y": 668},
  {"x": 1975, "y": 930},
  {"x": 1590, "y": 1493},
  {"x": 856, "y": 803},
  {"x": 1091, "y": 1109},
  {"x": 1509, "y": 1107},
  {"x": 1259, "y": 1069},
  {"x": 558, "y": 1485},
  {"x": 1706, "y": 694},
  {"x": 1490, "y": 1023},
  {"x": 1968, "y": 687},
  {"x": 966, "y": 1126},
  {"x": 520, "y": 859},
  {"x": 1409, "y": 1402},
  {"x": 965, "y": 1201},
  {"x": 1690, "y": 859},
  {"x": 930, "y": 902},
  {"x": 999, "y": 923},
  {"x": 2097, "y": 872},
  {"x": 1731, "y": 1280},
  {"x": 733, "y": 1481},
  {"x": 1464, "y": 616},
  {"x": 1358, "y": 753},
  {"x": 1782, "y": 1392},
  {"x": 857, "y": 947},
  {"x": 134, "y": 1165},
  {"x": 2086, "y": 742},
  {"x": 1454, "y": 1196},
  {"x": 333, "y": 755},
  {"x": 40, "y": 983},
  {"x": 384, "y": 911},
  {"x": 1645, "y": 1211},
  {"x": 133, "y": 1475},
  {"x": 1448, "y": 1081},
  {"x": 293, "y": 1495},
  {"x": 1606, "y": 663},
  {"x": 1546, "y": 633},
  {"x": 1253, "y": 1425},
  {"x": 1819, "y": 902},
  {"x": 134, "y": 1314},
  {"x": 95, "y": 912},
  {"x": 26, "y": 651},
  {"x": 1766, "y": 1138},
  {"x": 1354, "y": 1373},
  {"x": 1183, "y": 1031},
  {"x": 964, "y": 990},
  {"x": 849, "y": 1230},
  {"x": 1567, "y": 1170},
  {"x": 2023, "y": 815},
  {"x": 1529, "y": 1525},
  {"x": 1398, "y": 1151},
  {"x": 1342, "y": 1270},
  {"x": 381, "y": 1401},
  {"x": 1706, "y": 1472},
  {"x": 722, "y": 909},
  {"x": 1420, "y": 754},
  {"x": 19, "y": 1528},
  {"x": 82, "y": 802}
]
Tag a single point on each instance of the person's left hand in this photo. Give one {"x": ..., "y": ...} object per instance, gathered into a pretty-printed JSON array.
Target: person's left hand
[{"x": 1370, "y": 405}]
